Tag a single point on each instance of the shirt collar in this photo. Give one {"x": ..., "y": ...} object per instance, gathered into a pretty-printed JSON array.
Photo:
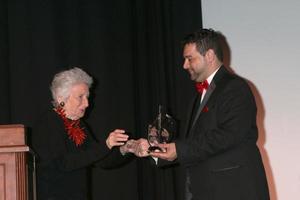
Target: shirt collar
[{"x": 210, "y": 78}]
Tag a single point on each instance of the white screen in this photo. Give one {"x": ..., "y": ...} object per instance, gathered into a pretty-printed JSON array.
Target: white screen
[{"x": 264, "y": 39}]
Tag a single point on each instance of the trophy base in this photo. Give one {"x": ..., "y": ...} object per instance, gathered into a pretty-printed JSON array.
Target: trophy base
[{"x": 154, "y": 148}]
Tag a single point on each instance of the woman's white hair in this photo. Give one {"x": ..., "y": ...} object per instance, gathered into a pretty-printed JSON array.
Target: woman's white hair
[{"x": 65, "y": 80}]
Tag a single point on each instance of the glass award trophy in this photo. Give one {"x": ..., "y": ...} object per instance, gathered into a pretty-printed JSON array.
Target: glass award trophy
[{"x": 162, "y": 130}]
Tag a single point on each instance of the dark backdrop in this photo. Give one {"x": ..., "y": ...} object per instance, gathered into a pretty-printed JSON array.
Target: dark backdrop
[{"x": 130, "y": 47}]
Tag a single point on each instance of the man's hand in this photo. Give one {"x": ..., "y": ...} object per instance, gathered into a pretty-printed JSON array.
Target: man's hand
[{"x": 168, "y": 153}]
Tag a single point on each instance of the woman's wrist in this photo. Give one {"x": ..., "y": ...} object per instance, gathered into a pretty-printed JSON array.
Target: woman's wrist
[
  {"x": 107, "y": 143},
  {"x": 123, "y": 150}
]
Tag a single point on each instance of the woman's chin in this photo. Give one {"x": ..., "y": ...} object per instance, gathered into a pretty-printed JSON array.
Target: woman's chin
[{"x": 74, "y": 117}]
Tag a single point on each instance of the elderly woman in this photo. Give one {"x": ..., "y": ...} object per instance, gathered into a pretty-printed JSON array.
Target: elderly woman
[{"x": 64, "y": 144}]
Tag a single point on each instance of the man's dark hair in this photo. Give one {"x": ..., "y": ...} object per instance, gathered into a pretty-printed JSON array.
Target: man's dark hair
[{"x": 205, "y": 39}]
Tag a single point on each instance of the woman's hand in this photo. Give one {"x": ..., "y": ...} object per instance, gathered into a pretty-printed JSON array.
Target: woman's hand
[
  {"x": 138, "y": 147},
  {"x": 142, "y": 148},
  {"x": 129, "y": 147},
  {"x": 116, "y": 138}
]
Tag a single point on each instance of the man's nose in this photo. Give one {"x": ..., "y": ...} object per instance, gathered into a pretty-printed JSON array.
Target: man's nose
[{"x": 185, "y": 64}]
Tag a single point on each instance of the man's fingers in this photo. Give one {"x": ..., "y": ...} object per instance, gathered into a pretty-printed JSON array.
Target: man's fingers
[
  {"x": 157, "y": 154},
  {"x": 163, "y": 146}
]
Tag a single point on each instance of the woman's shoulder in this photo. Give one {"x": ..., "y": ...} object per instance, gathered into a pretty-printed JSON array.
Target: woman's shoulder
[
  {"x": 48, "y": 114},
  {"x": 47, "y": 118}
]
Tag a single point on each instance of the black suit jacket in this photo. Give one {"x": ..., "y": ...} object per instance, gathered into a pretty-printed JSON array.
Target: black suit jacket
[{"x": 219, "y": 149}]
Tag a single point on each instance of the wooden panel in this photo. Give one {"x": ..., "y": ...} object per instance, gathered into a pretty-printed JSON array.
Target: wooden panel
[
  {"x": 9, "y": 188},
  {"x": 12, "y": 135},
  {"x": 2, "y": 181},
  {"x": 13, "y": 176},
  {"x": 13, "y": 167},
  {"x": 21, "y": 176}
]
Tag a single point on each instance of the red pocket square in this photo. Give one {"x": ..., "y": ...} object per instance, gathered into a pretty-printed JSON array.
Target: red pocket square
[{"x": 205, "y": 109}]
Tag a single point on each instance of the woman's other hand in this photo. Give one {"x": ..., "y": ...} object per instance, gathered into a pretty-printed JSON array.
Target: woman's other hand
[{"x": 116, "y": 138}]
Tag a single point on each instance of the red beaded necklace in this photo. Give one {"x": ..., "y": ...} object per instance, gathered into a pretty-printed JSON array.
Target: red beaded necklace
[{"x": 74, "y": 131}]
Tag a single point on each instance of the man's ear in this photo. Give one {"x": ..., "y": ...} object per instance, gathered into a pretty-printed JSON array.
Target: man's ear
[{"x": 210, "y": 55}]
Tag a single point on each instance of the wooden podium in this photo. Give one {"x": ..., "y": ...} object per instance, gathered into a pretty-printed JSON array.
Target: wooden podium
[{"x": 13, "y": 166}]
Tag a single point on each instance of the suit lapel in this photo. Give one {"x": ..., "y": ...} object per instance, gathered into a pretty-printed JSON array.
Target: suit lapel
[{"x": 190, "y": 115}]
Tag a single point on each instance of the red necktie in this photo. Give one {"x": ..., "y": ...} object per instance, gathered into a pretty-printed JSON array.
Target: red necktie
[{"x": 202, "y": 86}]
